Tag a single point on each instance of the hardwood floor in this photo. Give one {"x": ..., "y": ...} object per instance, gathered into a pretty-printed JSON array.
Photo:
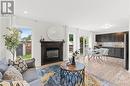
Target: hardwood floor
[{"x": 111, "y": 70}]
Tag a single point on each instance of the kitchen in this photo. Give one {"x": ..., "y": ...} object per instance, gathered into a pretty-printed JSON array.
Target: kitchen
[{"x": 117, "y": 43}]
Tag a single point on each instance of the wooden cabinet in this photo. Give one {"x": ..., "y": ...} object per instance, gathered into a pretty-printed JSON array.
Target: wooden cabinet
[
  {"x": 119, "y": 37},
  {"x": 98, "y": 38},
  {"x": 112, "y": 37},
  {"x": 116, "y": 52},
  {"x": 111, "y": 51}
]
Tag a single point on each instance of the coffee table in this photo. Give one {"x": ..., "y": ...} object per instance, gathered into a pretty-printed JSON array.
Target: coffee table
[{"x": 72, "y": 74}]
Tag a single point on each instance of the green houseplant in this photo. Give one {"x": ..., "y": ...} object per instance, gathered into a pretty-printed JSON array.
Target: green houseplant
[{"x": 12, "y": 40}]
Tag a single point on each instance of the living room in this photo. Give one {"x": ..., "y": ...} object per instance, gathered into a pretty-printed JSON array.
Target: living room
[{"x": 68, "y": 32}]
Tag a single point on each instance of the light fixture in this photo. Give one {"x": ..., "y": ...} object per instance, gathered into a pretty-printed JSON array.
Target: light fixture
[
  {"x": 25, "y": 12},
  {"x": 107, "y": 26}
]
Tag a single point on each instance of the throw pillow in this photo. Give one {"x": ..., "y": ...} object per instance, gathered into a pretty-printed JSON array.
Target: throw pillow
[
  {"x": 30, "y": 63},
  {"x": 19, "y": 64},
  {"x": 14, "y": 83},
  {"x": 3, "y": 68},
  {"x": 4, "y": 83},
  {"x": 20, "y": 83},
  {"x": 12, "y": 74}
]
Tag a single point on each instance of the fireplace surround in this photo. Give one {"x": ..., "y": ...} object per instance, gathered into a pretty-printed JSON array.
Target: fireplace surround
[{"x": 51, "y": 51}]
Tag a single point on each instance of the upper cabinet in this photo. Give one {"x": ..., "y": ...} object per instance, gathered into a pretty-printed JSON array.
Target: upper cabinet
[
  {"x": 119, "y": 37},
  {"x": 98, "y": 38},
  {"x": 112, "y": 37}
]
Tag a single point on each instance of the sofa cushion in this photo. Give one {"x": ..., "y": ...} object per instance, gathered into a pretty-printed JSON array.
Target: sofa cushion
[
  {"x": 1, "y": 76},
  {"x": 3, "y": 68},
  {"x": 19, "y": 64},
  {"x": 12, "y": 74},
  {"x": 3, "y": 61},
  {"x": 36, "y": 83},
  {"x": 3, "y": 65},
  {"x": 30, "y": 63},
  {"x": 30, "y": 75}
]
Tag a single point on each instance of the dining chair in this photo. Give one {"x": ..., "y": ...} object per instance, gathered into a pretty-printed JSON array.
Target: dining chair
[
  {"x": 98, "y": 55},
  {"x": 105, "y": 53}
]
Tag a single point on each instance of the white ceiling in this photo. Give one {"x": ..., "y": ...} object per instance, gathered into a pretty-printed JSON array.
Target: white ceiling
[{"x": 91, "y": 15}]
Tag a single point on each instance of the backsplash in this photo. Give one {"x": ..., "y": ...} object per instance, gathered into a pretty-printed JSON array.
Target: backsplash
[{"x": 111, "y": 44}]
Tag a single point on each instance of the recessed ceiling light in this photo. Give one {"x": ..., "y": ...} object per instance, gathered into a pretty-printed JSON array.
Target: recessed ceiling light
[
  {"x": 107, "y": 26},
  {"x": 25, "y": 12}
]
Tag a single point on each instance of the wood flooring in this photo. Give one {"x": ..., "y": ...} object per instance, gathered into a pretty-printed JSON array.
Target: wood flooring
[{"x": 110, "y": 69}]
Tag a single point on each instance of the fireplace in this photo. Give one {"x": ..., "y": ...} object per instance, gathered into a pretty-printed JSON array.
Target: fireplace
[{"x": 51, "y": 51}]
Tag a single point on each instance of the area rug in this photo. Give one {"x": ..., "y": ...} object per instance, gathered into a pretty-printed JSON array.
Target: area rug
[{"x": 50, "y": 76}]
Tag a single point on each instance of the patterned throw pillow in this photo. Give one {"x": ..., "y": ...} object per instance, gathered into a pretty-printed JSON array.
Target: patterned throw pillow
[
  {"x": 12, "y": 74},
  {"x": 30, "y": 63},
  {"x": 19, "y": 64},
  {"x": 14, "y": 83}
]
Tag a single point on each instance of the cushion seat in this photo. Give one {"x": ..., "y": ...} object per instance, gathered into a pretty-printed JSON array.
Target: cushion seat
[{"x": 30, "y": 75}]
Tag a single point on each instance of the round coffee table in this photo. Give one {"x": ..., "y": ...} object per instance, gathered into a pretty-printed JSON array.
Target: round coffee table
[{"x": 72, "y": 75}]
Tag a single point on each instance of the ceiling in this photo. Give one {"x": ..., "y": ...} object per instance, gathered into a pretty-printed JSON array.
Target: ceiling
[{"x": 91, "y": 15}]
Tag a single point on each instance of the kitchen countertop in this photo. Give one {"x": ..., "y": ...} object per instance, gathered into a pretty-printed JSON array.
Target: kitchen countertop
[{"x": 111, "y": 47}]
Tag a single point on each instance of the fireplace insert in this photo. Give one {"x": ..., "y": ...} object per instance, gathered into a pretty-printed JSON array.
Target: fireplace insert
[{"x": 51, "y": 51}]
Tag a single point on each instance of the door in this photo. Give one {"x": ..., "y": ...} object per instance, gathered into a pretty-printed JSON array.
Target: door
[{"x": 127, "y": 51}]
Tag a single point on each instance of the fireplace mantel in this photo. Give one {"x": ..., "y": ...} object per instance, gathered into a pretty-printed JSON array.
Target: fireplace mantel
[{"x": 46, "y": 46}]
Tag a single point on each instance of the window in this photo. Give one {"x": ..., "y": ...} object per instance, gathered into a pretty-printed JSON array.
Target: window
[
  {"x": 81, "y": 45},
  {"x": 71, "y": 44},
  {"x": 25, "y": 47},
  {"x": 84, "y": 42}
]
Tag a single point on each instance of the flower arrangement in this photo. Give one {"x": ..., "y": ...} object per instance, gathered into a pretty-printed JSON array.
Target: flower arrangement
[{"x": 75, "y": 54}]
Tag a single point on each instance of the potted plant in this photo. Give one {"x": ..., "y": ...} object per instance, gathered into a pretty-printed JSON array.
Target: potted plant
[{"x": 12, "y": 40}]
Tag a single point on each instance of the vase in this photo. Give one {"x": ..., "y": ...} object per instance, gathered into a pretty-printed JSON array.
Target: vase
[{"x": 73, "y": 61}]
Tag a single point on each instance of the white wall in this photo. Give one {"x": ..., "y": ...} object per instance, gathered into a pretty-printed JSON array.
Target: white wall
[
  {"x": 4, "y": 22},
  {"x": 39, "y": 28},
  {"x": 77, "y": 34}
]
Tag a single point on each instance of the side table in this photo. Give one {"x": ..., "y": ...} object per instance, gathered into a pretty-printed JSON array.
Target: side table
[{"x": 72, "y": 75}]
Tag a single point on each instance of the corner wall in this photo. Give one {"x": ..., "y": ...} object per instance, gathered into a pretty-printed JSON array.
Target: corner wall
[
  {"x": 39, "y": 28},
  {"x": 4, "y": 22}
]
